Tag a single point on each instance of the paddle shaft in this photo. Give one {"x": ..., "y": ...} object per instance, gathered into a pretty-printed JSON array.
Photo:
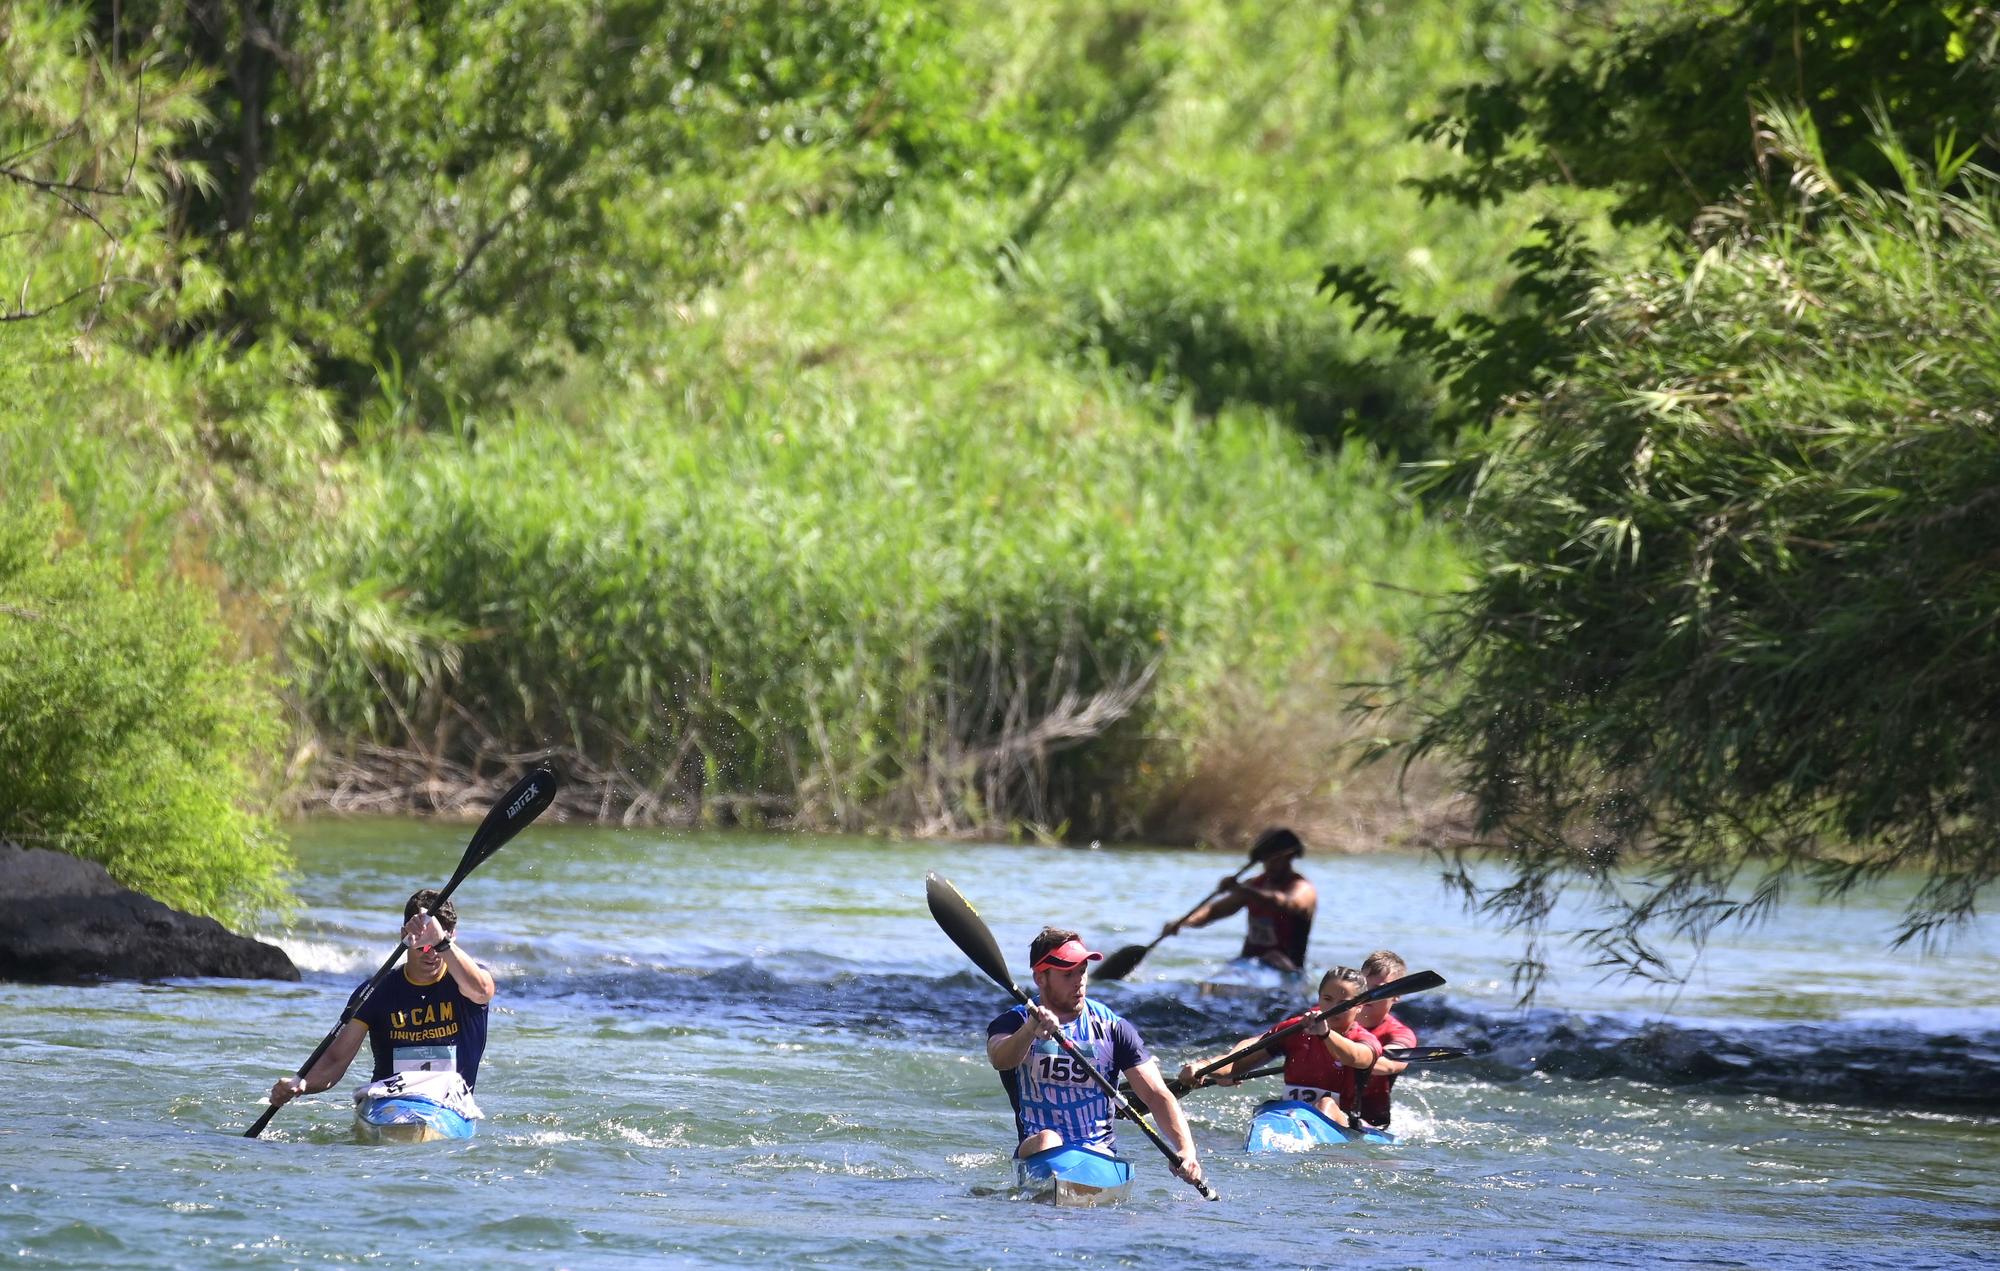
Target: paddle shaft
[
  {"x": 1401, "y": 1054},
  {"x": 522, "y": 803},
  {"x": 1123, "y": 962},
  {"x": 957, "y": 918},
  {"x": 1395, "y": 988},
  {"x": 1118, "y": 1097},
  {"x": 360, "y": 1000},
  {"x": 1208, "y": 900}
]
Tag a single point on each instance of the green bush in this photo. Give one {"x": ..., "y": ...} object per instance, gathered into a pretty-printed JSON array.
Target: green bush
[
  {"x": 132, "y": 737},
  {"x": 854, "y": 555},
  {"x": 1733, "y": 617}
]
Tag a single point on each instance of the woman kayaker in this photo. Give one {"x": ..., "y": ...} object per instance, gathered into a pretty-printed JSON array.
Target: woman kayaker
[{"x": 1325, "y": 1062}]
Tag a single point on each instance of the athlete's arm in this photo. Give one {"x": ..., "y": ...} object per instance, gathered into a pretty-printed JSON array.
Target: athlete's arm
[
  {"x": 1350, "y": 1052},
  {"x": 325, "y": 1074},
  {"x": 1008, "y": 1051},
  {"x": 1225, "y": 1076},
  {"x": 471, "y": 978},
  {"x": 1297, "y": 897},
  {"x": 1166, "y": 1110},
  {"x": 1209, "y": 911}
]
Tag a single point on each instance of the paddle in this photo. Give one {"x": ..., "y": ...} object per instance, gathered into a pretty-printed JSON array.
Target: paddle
[
  {"x": 1401, "y": 1054},
  {"x": 975, "y": 940},
  {"x": 1414, "y": 983},
  {"x": 1124, "y": 961},
  {"x": 529, "y": 798}
]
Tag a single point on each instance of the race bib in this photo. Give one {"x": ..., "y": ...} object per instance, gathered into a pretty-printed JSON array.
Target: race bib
[
  {"x": 446, "y": 1089},
  {"x": 1307, "y": 1094},
  {"x": 1059, "y": 1067},
  {"x": 424, "y": 1059}
]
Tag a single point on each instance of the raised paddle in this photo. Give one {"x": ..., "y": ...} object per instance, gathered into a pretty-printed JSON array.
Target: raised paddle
[
  {"x": 1401, "y": 1054},
  {"x": 975, "y": 940},
  {"x": 1122, "y": 962},
  {"x": 529, "y": 798},
  {"x": 1414, "y": 983}
]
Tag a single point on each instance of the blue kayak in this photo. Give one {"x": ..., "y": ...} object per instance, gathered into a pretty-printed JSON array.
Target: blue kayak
[
  {"x": 1076, "y": 1177},
  {"x": 407, "y": 1120},
  {"x": 1288, "y": 1125}
]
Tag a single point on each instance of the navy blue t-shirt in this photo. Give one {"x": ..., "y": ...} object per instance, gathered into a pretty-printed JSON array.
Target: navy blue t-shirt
[{"x": 424, "y": 1027}]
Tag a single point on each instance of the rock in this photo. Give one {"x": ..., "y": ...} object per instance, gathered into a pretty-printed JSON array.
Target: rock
[{"x": 64, "y": 920}]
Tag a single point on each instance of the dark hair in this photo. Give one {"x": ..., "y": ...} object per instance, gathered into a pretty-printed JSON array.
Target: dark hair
[
  {"x": 1050, "y": 938},
  {"x": 427, "y": 899},
  {"x": 1276, "y": 841},
  {"x": 1346, "y": 975}
]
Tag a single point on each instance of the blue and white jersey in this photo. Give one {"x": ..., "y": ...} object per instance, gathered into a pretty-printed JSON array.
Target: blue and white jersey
[{"x": 1050, "y": 1091}]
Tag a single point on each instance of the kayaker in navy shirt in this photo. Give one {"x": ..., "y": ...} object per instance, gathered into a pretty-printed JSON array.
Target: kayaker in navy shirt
[
  {"x": 428, "y": 1016},
  {"x": 1055, "y": 1101}
]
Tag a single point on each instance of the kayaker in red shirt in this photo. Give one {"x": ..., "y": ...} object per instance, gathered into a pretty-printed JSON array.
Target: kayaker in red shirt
[
  {"x": 1281, "y": 904},
  {"x": 1325, "y": 1061},
  {"x": 1378, "y": 968}
]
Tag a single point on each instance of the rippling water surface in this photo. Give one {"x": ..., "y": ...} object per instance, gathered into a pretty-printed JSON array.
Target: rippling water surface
[{"x": 735, "y": 1050}]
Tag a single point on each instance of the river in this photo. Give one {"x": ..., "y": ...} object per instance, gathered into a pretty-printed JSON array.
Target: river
[{"x": 737, "y": 1049}]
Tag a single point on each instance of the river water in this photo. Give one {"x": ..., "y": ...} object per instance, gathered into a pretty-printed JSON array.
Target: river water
[{"x": 736, "y": 1050}]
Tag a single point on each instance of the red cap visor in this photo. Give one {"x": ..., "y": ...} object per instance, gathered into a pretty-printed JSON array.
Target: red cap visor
[{"x": 1067, "y": 956}]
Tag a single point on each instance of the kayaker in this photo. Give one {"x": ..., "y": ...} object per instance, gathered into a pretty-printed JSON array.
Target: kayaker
[
  {"x": 1379, "y": 968},
  {"x": 1281, "y": 904},
  {"x": 1324, "y": 1062},
  {"x": 1055, "y": 1101},
  {"x": 430, "y": 1016}
]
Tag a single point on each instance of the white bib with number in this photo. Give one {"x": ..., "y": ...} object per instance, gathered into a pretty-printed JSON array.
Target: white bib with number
[
  {"x": 446, "y": 1089},
  {"x": 424, "y": 1059}
]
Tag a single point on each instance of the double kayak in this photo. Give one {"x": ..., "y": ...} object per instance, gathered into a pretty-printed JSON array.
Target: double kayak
[
  {"x": 415, "y": 1107},
  {"x": 1075, "y": 1177},
  {"x": 1289, "y": 1125}
]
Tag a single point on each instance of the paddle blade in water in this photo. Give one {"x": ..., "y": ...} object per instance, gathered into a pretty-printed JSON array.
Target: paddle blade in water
[
  {"x": 960, "y": 921},
  {"x": 1121, "y": 963}
]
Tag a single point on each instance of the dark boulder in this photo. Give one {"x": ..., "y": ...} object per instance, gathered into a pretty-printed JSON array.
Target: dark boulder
[{"x": 63, "y": 920}]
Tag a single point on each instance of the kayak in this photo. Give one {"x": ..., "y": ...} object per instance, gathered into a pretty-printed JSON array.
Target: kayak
[
  {"x": 415, "y": 1107},
  {"x": 1076, "y": 1177},
  {"x": 404, "y": 1119},
  {"x": 1249, "y": 977},
  {"x": 1289, "y": 1125}
]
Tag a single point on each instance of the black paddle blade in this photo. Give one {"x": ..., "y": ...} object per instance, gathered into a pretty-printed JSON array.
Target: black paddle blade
[
  {"x": 1121, "y": 963},
  {"x": 1423, "y": 1054},
  {"x": 1415, "y": 983},
  {"x": 960, "y": 921},
  {"x": 529, "y": 798}
]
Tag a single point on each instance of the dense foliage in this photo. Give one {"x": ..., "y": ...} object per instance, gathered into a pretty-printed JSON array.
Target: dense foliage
[
  {"x": 930, "y": 415},
  {"x": 811, "y": 601},
  {"x": 1735, "y": 612},
  {"x": 129, "y": 739},
  {"x": 1662, "y": 114}
]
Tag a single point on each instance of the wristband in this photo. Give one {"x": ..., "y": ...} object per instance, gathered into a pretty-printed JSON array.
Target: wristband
[{"x": 442, "y": 945}]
